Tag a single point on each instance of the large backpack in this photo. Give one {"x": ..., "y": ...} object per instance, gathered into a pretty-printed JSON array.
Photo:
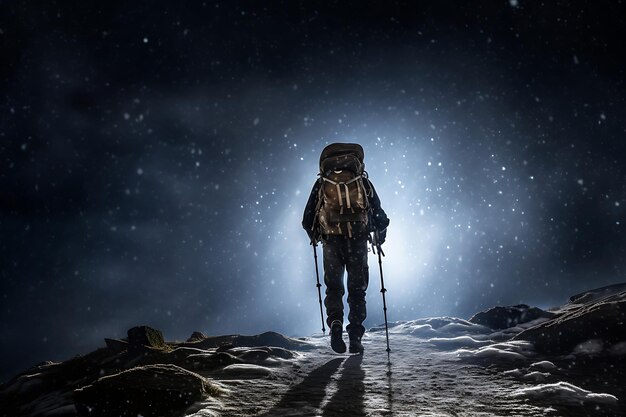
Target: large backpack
[{"x": 342, "y": 207}]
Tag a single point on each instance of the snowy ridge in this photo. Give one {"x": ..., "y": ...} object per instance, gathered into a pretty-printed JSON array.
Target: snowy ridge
[
  {"x": 439, "y": 366},
  {"x": 515, "y": 350},
  {"x": 436, "y": 327},
  {"x": 506, "y": 352},
  {"x": 564, "y": 393}
]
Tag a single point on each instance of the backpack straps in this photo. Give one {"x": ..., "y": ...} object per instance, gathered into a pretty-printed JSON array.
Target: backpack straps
[
  {"x": 337, "y": 184},
  {"x": 318, "y": 206},
  {"x": 345, "y": 186},
  {"x": 359, "y": 184}
]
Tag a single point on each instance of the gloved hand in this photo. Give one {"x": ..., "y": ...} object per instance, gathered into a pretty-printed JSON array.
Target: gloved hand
[
  {"x": 382, "y": 235},
  {"x": 312, "y": 237}
]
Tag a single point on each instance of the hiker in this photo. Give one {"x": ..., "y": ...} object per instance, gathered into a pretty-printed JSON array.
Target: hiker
[{"x": 342, "y": 210}]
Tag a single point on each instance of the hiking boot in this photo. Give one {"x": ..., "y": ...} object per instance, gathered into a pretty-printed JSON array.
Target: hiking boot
[
  {"x": 356, "y": 346},
  {"x": 336, "y": 340}
]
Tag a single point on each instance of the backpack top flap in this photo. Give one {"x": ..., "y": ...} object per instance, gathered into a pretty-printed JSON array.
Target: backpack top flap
[
  {"x": 342, "y": 156},
  {"x": 341, "y": 163},
  {"x": 337, "y": 149}
]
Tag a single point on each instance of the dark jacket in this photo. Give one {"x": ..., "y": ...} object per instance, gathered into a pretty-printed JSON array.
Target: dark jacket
[{"x": 379, "y": 218}]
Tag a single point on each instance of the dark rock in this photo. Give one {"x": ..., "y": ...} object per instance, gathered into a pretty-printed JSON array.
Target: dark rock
[
  {"x": 210, "y": 361},
  {"x": 176, "y": 356},
  {"x": 603, "y": 319},
  {"x": 181, "y": 353},
  {"x": 196, "y": 336},
  {"x": 498, "y": 318},
  {"x": 597, "y": 294},
  {"x": 116, "y": 345},
  {"x": 254, "y": 355},
  {"x": 210, "y": 342},
  {"x": 265, "y": 339},
  {"x": 142, "y": 338},
  {"x": 150, "y": 391},
  {"x": 271, "y": 339},
  {"x": 225, "y": 347},
  {"x": 281, "y": 353},
  {"x": 30, "y": 392}
]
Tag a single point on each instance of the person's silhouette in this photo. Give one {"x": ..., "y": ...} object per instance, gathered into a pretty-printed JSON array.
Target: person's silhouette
[{"x": 342, "y": 210}]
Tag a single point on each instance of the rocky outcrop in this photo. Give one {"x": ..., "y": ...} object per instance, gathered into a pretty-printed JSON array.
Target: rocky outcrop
[
  {"x": 271, "y": 339},
  {"x": 264, "y": 339},
  {"x": 144, "y": 375},
  {"x": 116, "y": 345},
  {"x": 602, "y": 318},
  {"x": 143, "y": 338},
  {"x": 498, "y": 318},
  {"x": 150, "y": 391},
  {"x": 598, "y": 293},
  {"x": 196, "y": 336}
]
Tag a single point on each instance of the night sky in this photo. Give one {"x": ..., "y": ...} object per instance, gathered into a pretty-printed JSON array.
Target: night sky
[{"x": 155, "y": 160}]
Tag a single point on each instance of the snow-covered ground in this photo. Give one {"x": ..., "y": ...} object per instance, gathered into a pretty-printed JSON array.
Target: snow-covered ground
[{"x": 439, "y": 367}]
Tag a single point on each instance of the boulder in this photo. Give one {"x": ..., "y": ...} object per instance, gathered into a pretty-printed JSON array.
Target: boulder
[
  {"x": 225, "y": 347},
  {"x": 196, "y": 336},
  {"x": 254, "y": 355},
  {"x": 272, "y": 339},
  {"x": 116, "y": 345},
  {"x": 149, "y": 391},
  {"x": 209, "y": 361},
  {"x": 603, "y": 319},
  {"x": 498, "y": 318},
  {"x": 597, "y": 294},
  {"x": 142, "y": 339},
  {"x": 281, "y": 353}
]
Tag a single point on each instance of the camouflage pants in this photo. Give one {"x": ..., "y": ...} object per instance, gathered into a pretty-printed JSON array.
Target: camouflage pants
[{"x": 341, "y": 254}]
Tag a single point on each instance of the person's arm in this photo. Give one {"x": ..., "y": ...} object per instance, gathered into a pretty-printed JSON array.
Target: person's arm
[
  {"x": 308, "y": 217},
  {"x": 379, "y": 217}
]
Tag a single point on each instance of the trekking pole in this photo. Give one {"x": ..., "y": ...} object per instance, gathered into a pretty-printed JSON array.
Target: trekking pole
[
  {"x": 319, "y": 286},
  {"x": 383, "y": 290}
]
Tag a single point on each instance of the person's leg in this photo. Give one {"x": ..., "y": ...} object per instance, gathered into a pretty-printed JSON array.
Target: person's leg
[
  {"x": 333, "y": 278},
  {"x": 358, "y": 279}
]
